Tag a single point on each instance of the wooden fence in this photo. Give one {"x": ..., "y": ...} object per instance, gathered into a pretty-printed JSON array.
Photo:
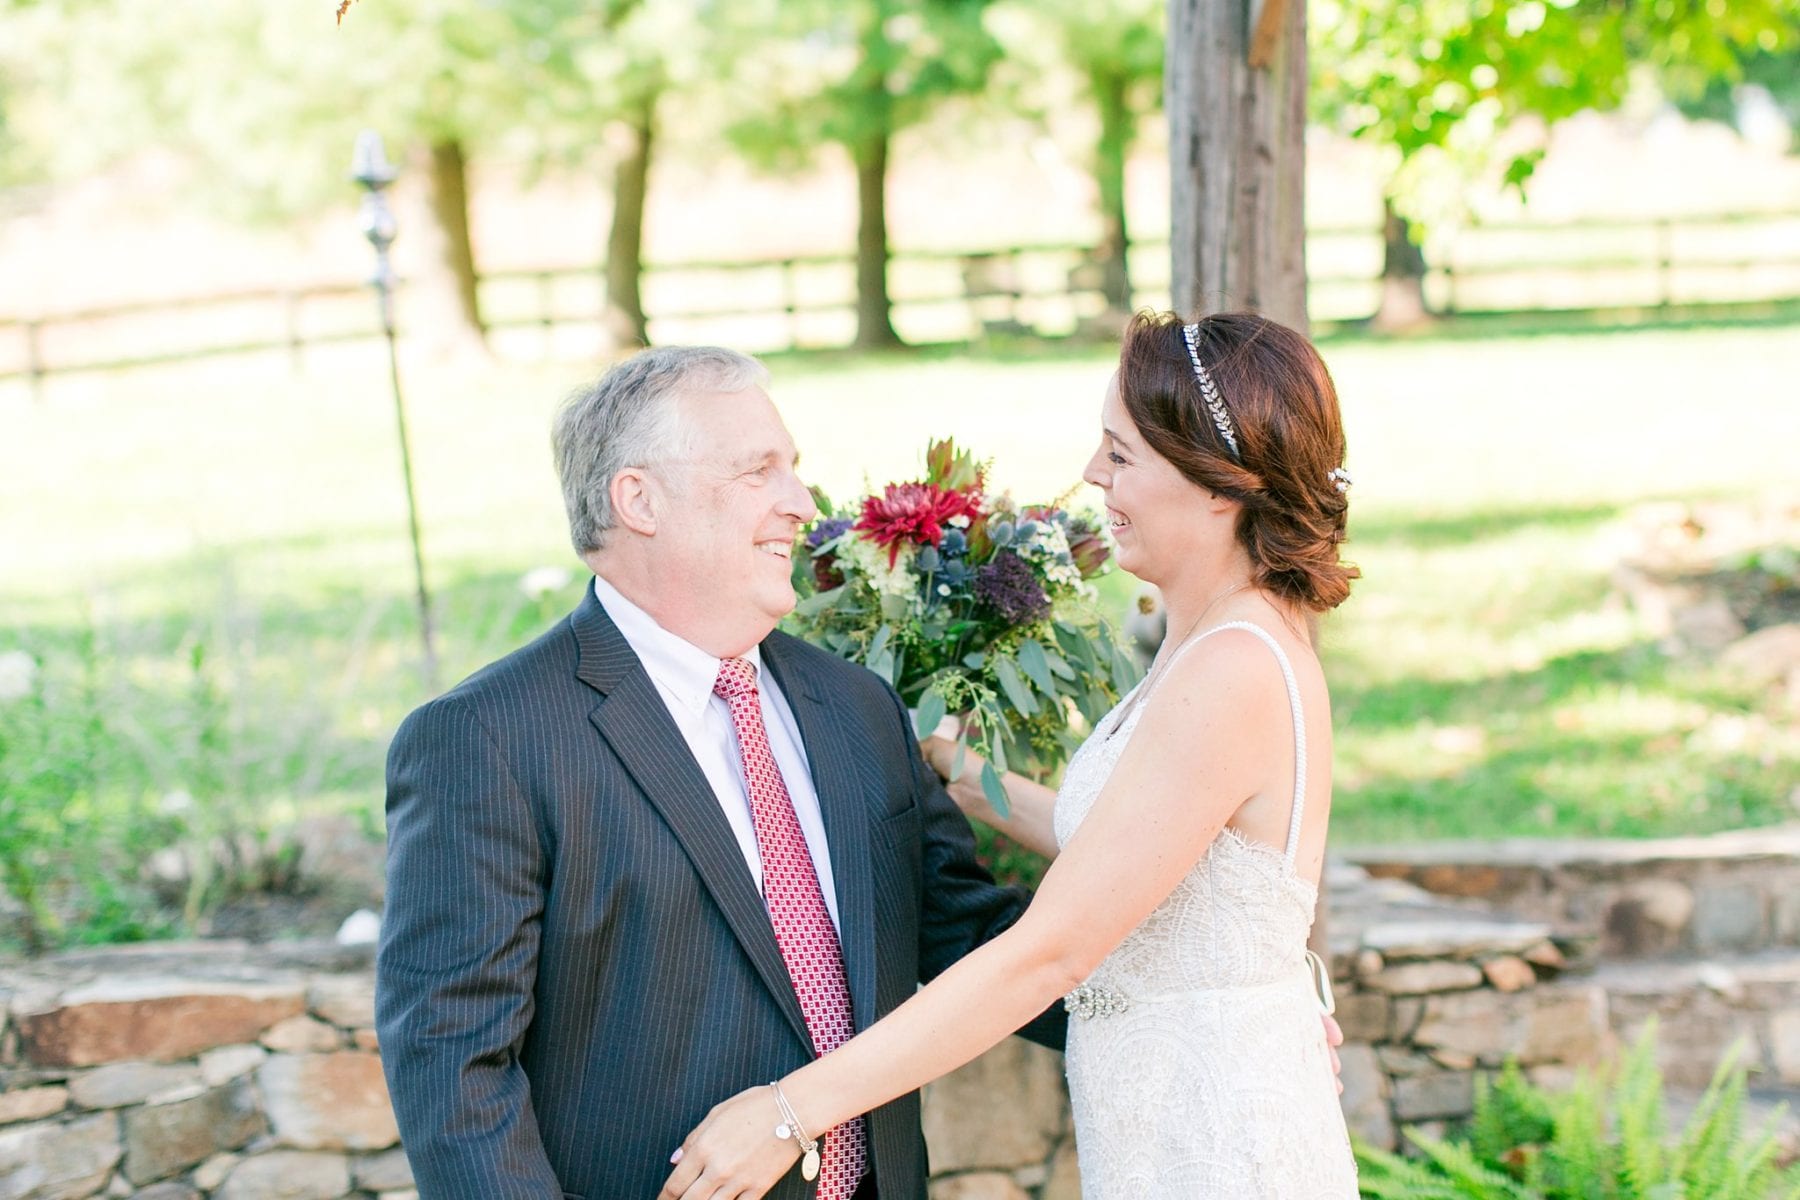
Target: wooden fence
[{"x": 1623, "y": 265}]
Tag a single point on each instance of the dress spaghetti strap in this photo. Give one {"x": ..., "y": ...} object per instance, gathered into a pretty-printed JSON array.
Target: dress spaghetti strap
[{"x": 1293, "y": 690}]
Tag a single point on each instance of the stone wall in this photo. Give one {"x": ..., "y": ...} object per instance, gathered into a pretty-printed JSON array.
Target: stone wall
[
  {"x": 240, "y": 1073},
  {"x": 1721, "y": 894}
]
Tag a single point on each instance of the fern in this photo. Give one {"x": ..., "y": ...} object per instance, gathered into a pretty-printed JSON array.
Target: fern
[{"x": 1591, "y": 1142}]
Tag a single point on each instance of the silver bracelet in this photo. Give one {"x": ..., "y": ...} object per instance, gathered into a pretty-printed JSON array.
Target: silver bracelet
[{"x": 790, "y": 1128}]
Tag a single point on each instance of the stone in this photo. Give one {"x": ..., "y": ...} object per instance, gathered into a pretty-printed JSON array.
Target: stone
[
  {"x": 161, "y": 1139},
  {"x": 1420, "y": 977},
  {"x": 1708, "y": 626},
  {"x": 1727, "y": 917},
  {"x": 346, "y": 1000},
  {"x": 968, "y": 1130},
  {"x": 1065, "y": 1175},
  {"x": 1408, "y": 1012},
  {"x": 1364, "y": 1016},
  {"x": 167, "y": 1191},
  {"x": 1367, "y": 963},
  {"x": 1455, "y": 1060},
  {"x": 1784, "y": 1044},
  {"x": 1451, "y": 939},
  {"x": 366, "y": 1039},
  {"x": 225, "y": 1063},
  {"x": 1784, "y": 915},
  {"x": 408, "y": 1194},
  {"x": 156, "y": 1018},
  {"x": 1647, "y": 917},
  {"x": 1397, "y": 1061},
  {"x": 211, "y": 1173},
  {"x": 287, "y": 1175},
  {"x": 55, "y": 1160},
  {"x": 1566, "y": 1024},
  {"x": 1545, "y": 956},
  {"x": 986, "y": 1185},
  {"x": 333, "y": 1101},
  {"x": 32, "y": 1104},
  {"x": 1441, "y": 1094},
  {"x": 120, "y": 1084},
  {"x": 1365, "y": 1098},
  {"x": 384, "y": 1172},
  {"x": 301, "y": 1035},
  {"x": 1480, "y": 1025},
  {"x": 1767, "y": 658},
  {"x": 1508, "y": 973}
]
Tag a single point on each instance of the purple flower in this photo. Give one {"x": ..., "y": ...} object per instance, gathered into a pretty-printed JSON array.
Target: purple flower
[
  {"x": 1009, "y": 586},
  {"x": 826, "y": 529}
]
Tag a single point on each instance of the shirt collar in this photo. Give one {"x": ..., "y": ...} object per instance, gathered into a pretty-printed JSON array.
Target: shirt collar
[{"x": 683, "y": 670}]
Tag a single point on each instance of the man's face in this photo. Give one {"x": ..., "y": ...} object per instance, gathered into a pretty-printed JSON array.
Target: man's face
[{"x": 732, "y": 507}]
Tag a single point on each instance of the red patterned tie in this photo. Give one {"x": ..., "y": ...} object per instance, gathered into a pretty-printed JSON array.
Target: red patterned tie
[{"x": 803, "y": 930}]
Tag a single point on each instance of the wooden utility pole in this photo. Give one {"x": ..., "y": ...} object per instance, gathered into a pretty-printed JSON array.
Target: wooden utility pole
[{"x": 1235, "y": 94}]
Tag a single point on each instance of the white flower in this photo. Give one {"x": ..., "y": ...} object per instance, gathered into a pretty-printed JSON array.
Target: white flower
[
  {"x": 958, "y": 522},
  {"x": 174, "y": 803},
  {"x": 541, "y": 581},
  {"x": 871, "y": 562},
  {"x": 18, "y": 675}
]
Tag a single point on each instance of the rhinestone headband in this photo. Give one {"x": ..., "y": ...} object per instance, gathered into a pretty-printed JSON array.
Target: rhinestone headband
[
  {"x": 1215, "y": 403},
  {"x": 1341, "y": 478}
]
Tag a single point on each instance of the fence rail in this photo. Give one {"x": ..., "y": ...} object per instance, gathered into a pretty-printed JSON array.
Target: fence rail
[{"x": 809, "y": 300}]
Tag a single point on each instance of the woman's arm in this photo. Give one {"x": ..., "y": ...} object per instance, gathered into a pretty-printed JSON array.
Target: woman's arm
[
  {"x": 1032, "y": 804},
  {"x": 1198, "y": 753}
]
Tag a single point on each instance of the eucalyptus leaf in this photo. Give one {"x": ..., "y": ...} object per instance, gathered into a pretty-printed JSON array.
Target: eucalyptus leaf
[
  {"x": 883, "y": 665},
  {"x": 815, "y": 604},
  {"x": 879, "y": 642},
  {"x": 1036, "y": 665},
  {"x": 1059, "y": 666},
  {"x": 1013, "y": 684},
  {"x": 956, "y": 764},
  {"x": 929, "y": 713},
  {"x": 974, "y": 661},
  {"x": 997, "y": 749},
  {"x": 994, "y": 790}
]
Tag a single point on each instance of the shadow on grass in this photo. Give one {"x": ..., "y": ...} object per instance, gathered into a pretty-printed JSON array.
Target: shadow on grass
[
  {"x": 1431, "y": 530},
  {"x": 1405, "y": 702}
]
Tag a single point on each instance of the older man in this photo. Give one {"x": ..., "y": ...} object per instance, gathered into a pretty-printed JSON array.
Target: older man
[{"x": 662, "y": 853}]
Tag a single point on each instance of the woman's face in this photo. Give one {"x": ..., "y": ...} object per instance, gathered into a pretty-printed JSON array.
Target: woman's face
[{"x": 1157, "y": 514}]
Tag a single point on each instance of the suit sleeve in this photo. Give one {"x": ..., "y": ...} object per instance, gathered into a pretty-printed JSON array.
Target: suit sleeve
[
  {"x": 961, "y": 906},
  {"x": 458, "y": 960}
]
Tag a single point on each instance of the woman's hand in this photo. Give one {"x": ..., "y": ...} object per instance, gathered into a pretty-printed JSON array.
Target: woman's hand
[{"x": 733, "y": 1154}]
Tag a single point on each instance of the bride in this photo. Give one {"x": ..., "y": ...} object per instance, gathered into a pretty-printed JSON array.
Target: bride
[{"x": 1188, "y": 835}]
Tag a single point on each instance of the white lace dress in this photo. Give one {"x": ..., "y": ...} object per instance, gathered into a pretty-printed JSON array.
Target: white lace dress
[{"x": 1196, "y": 1058}]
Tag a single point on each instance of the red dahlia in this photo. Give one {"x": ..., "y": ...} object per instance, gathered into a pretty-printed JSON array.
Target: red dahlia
[{"x": 913, "y": 512}]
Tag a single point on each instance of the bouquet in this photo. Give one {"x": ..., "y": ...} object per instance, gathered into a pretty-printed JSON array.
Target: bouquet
[{"x": 969, "y": 604}]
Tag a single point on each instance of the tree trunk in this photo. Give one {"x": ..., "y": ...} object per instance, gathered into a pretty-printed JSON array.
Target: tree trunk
[
  {"x": 874, "y": 322},
  {"x": 1237, "y": 158},
  {"x": 1109, "y": 172},
  {"x": 449, "y": 200},
  {"x": 1402, "y": 274},
  {"x": 623, "y": 317}
]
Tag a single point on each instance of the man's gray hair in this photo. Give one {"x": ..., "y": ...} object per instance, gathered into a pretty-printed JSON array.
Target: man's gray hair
[{"x": 628, "y": 418}]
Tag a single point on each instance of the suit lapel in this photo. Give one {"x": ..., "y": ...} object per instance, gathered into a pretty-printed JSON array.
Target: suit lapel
[
  {"x": 846, "y": 815},
  {"x": 636, "y": 724}
]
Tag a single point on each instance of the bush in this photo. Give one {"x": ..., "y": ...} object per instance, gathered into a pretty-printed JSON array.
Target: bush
[{"x": 1594, "y": 1142}]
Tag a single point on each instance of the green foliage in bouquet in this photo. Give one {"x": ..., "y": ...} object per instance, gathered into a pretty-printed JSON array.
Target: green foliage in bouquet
[
  {"x": 1591, "y": 1143},
  {"x": 969, "y": 604}
]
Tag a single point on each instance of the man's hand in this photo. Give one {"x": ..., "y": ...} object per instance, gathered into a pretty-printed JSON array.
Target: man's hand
[
  {"x": 1334, "y": 1037},
  {"x": 733, "y": 1154}
]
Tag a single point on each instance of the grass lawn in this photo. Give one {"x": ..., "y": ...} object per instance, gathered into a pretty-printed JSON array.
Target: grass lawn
[{"x": 214, "y": 559}]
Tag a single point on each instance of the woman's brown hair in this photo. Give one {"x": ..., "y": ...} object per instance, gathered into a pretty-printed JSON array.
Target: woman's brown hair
[{"x": 1290, "y": 438}]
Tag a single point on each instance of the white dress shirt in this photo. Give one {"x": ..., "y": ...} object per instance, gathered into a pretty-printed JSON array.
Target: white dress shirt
[{"x": 684, "y": 675}]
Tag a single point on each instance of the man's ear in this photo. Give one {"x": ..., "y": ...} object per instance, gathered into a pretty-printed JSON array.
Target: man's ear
[{"x": 633, "y": 501}]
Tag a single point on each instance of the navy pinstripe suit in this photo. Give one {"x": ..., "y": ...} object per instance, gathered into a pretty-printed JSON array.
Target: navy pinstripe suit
[{"x": 575, "y": 964}]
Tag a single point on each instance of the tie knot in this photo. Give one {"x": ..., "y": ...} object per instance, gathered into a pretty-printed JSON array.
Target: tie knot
[{"x": 737, "y": 677}]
